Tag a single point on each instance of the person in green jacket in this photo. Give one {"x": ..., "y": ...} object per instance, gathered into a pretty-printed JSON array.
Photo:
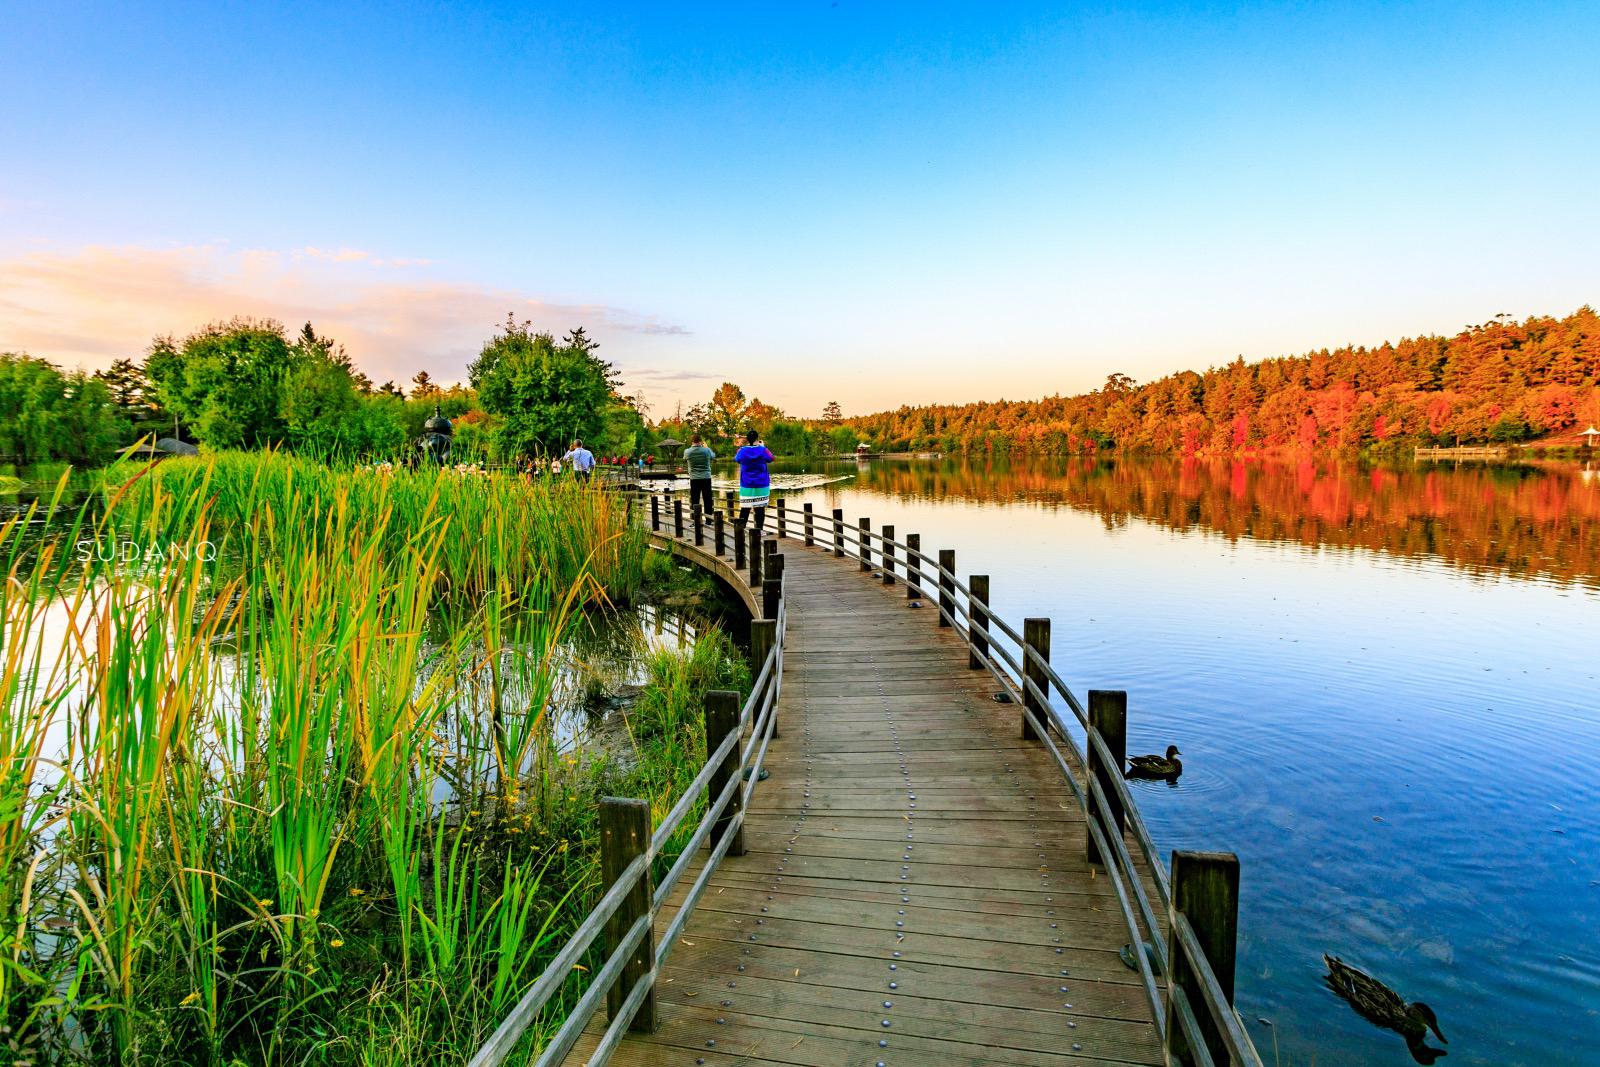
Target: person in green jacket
[{"x": 697, "y": 457}]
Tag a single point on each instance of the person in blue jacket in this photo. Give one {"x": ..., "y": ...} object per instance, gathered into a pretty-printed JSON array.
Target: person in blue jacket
[{"x": 754, "y": 481}]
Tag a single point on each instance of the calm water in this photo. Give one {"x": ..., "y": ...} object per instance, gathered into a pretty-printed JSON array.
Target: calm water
[{"x": 1386, "y": 685}]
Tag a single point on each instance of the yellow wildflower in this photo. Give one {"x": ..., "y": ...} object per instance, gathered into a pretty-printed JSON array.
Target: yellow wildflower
[
  {"x": 192, "y": 998},
  {"x": 357, "y": 891},
  {"x": 336, "y": 943},
  {"x": 264, "y": 903}
]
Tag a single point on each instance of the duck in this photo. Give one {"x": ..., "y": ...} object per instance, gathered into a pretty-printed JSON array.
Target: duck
[
  {"x": 1382, "y": 1006},
  {"x": 1168, "y": 766}
]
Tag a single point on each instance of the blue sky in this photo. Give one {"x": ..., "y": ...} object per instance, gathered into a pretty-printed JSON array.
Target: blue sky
[{"x": 873, "y": 203}]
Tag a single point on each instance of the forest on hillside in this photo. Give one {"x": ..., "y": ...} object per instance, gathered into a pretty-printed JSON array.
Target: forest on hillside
[{"x": 1501, "y": 381}]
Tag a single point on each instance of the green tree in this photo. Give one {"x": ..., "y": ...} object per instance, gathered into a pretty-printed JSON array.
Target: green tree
[
  {"x": 126, "y": 381},
  {"x": 318, "y": 405},
  {"x": 225, "y": 381},
  {"x": 422, "y": 387},
  {"x": 46, "y": 415},
  {"x": 544, "y": 394}
]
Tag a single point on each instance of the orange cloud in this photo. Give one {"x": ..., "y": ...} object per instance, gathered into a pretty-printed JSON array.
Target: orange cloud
[{"x": 96, "y": 304}]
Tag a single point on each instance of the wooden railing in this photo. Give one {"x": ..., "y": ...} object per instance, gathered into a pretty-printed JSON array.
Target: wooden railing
[{"x": 626, "y": 913}]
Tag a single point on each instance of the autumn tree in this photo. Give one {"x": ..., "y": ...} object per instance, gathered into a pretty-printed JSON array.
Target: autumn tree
[{"x": 727, "y": 407}]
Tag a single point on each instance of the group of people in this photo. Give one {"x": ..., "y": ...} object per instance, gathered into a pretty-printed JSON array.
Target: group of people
[
  {"x": 577, "y": 459},
  {"x": 755, "y": 481},
  {"x": 753, "y": 458}
]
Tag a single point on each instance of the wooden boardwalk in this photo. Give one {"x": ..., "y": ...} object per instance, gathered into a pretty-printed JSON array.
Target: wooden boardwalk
[{"x": 914, "y": 890}]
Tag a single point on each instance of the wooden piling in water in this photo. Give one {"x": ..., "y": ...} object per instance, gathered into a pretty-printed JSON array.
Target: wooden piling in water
[
  {"x": 977, "y": 620},
  {"x": 624, "y": 835},
  {"x": 763, "y": 635},
  {"x": 1035, "y": 655},
  {"x": 722, "y": 717},
  {"x": 947, "y": 585},
  {"x": 1205, "y": 890},
  {"x": 1108, "y": 714},
  {"x": 772, "y": 584}
]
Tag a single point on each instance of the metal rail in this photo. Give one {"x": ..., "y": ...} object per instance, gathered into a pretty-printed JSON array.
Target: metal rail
[{"x": 759, "y": 713}]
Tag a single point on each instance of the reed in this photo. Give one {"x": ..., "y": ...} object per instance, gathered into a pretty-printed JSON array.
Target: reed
[{"x": 285, "y": 790}]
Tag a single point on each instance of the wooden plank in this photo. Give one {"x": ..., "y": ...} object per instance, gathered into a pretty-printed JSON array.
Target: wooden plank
[{"x": 907, "y": 835}]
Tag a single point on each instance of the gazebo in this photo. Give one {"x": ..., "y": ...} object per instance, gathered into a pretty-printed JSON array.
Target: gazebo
[
  {"x": 1591, "y": 437},
  {"x": 161, "y": 449}
]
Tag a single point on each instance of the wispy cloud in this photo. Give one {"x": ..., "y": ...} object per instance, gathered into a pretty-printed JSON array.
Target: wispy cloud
[
  {"x": 653, "y": 374},
  {"x": 95, "y": 304}
]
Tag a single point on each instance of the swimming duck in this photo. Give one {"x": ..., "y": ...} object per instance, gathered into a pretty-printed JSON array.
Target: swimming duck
[
  {"x": 1168, "y": 766},
  {"x": 1382, "y": 1006}
]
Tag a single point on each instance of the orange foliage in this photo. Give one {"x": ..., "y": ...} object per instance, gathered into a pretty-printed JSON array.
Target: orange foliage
[{"x": 1500, "y": 381}]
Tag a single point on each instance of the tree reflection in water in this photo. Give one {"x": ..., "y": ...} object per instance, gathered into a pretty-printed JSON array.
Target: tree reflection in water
[{"x": 1524, "y": 520}]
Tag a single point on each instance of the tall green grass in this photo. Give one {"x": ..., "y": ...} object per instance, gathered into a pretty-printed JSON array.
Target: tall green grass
[{"x": 286, "y": 790}]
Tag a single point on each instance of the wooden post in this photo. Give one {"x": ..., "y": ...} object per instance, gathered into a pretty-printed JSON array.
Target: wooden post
[
  {"x": 722, "y": 717},
  {"x": 739, "y": 542},
  {"x": 838, "y": 532},
  {"x": 655, "y": 513},
  {"x": 1035, "y": 638},
  {"x": 947, "y": 585},
  {"x": 699, "y": 526},
  {"x": 677, "y": 519},
  {"x": 888, "y": 555},
  {"x": 625, "y": 834},
  {"x": 732, "y": 499},
  {"x": 763, "y": 635},
  {"x": 1108, "y": 714},
  {"x": 977, "y": 620},
  {"x": 1205, "y": 888},
  {"x": 810, "y": 532},
  {"x": 864, "y": 525},
  {"x": 913, "y": 566},
  {"x": 756, "y": 552},
  {"x": 719, "y": 536},
  {"x": 772, "y": 585},
  {"x": 783, "y": 529}
]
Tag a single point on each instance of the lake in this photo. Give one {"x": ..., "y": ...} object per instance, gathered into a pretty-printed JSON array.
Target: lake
[{"x": 1386, "y": 686}]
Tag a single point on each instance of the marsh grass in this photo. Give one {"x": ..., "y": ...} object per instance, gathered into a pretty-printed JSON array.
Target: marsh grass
[{"x": 296, "y": 799}]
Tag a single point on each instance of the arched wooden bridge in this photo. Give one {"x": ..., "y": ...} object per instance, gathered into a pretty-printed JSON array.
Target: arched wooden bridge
[{"x": 920, "y": 880}]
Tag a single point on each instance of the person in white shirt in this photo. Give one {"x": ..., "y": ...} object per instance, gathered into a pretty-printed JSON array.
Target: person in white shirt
[{"x": 582, "y": 460}]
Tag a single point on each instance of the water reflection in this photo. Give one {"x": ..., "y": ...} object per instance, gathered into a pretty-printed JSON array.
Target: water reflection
[{"x": 1531, "y": 519}]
